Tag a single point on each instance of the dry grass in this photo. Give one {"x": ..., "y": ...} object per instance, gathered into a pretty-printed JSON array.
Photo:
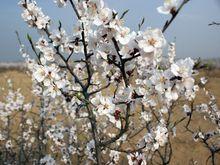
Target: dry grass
[
  {"x": 184, "y": 148},
  {"x": 19, "y": 80}
]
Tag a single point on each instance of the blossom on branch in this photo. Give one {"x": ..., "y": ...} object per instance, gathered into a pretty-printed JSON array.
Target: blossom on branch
[{"x": 169, "y": 7}]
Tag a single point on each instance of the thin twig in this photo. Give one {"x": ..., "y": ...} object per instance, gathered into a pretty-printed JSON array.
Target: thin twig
[
  {"x": 214, "y": 23},
  {"x": 167, "y": 24}
]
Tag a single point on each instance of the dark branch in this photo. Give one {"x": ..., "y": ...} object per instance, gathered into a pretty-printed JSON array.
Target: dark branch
[{"x": 168, "y": 22}]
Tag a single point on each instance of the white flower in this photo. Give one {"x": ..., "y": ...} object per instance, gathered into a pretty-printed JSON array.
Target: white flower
[
  {"x": 160, "y": 81},
  {"x": 136, "y": 159},
  {"x": 116, "y": 23},
  {"x": 203, "y": 107},
  {"x": 27, "y": 107},
  {"x": 42, "y": 44},
  {"x": 33, "y": 15},
  {"x": 171, "y": 94},
  {"x": 190, "y": 95},
  {"x": 115, "y": 156},
  {"x": 61, "y": 3},
  {"x": 26, "y": 15},
  {"x": 168, "y": 7},
  {"x": 61, "y": 83},
  {"x": 164, "y": 110},
  {"x": 42, "y": 22},
  {"x": 115, "y": 121},
  {"x": 52, "y": 91},
  {"x": 126, "y": 50},
  {"x": 59, "y": 37},
  {"x": 161, "y": 135},
  {"x": 103, "y": 17},
  {"x": 124, "y": 36},
  {"x": 203, "y": 80},
  {"x": 46, "y": 74},
  {"x": 90, "y": 149},
  {"x": 152, "y": 39},
  {"x": 94, "y": 7},
  {"x": 186, "y": 109},
  {"x": 68, "y": 47},
  {"x": 40, "y": 73},
  {"x": 124, "y": 94},
  {"x": 171, "y": 52},
  {"x": 47, "y": 160},
  {"x": 29, "y": 121},
  {"x": 9, "y": 145},
  {"x": 201, "y": 135},
  {"x": 2, "y": 137},
  {"x": 104, "y": 105},
  {"x": 183, "y": 68},
  {"x": 49, "y": 54},
  {"x": 102, "y": 54},
  {"x": 188, "y": 83},
  {"x": 146, "y": 116}
]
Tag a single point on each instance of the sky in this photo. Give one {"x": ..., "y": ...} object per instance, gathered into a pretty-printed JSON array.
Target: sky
[{"x": 193, "y": 37}]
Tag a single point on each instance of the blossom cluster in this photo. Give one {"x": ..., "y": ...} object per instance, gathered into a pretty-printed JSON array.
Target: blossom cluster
[
  {"x": 33, "y": 15},
  {"x": 108, "y": 82}
]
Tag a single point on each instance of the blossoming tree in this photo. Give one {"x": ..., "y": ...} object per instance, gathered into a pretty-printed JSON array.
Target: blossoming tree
[{"x": 107, "y": 92}]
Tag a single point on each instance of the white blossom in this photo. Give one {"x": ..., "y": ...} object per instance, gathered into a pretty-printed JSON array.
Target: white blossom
[
  {"x": 171, "y": 52},
  {"x": 47, "y": 160},
  {"x": 183, "y": 68},
  {"x": 60, "y": 3},
  {"x": 33, "y": 15},
  {"x": 168, "y": 7},
  {"x": 49, "y": 54},
  {"x": 152, "y": 39},
  {"x": 136, "y": 159},
  {"x": 104, "y": 104},
  {"x": 124, "y": 35},
  {"x": 203, "y": 80},
  {"x": 103, "y": 17},
  {"x": 161, "y": 135}
]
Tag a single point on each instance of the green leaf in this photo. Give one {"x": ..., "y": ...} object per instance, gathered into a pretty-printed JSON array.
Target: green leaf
[{"x": 29, "y": 37}]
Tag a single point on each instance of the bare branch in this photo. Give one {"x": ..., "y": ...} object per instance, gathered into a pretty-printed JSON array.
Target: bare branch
[
  {"x": 214, "y": 23},
  {"x": 168, "y": 22}
]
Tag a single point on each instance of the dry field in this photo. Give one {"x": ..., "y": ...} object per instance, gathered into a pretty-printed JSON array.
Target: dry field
[{"x": 185, "y": 150}]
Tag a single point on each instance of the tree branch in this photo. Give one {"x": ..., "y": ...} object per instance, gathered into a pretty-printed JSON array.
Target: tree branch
[{"x": 168, "y": 22}]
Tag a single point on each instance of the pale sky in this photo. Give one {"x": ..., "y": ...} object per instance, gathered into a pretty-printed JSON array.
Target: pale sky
[{"x": 194, "y": 37}]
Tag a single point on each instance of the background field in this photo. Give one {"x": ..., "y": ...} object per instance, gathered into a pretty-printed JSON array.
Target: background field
[{"x": 185, "y": 150}]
